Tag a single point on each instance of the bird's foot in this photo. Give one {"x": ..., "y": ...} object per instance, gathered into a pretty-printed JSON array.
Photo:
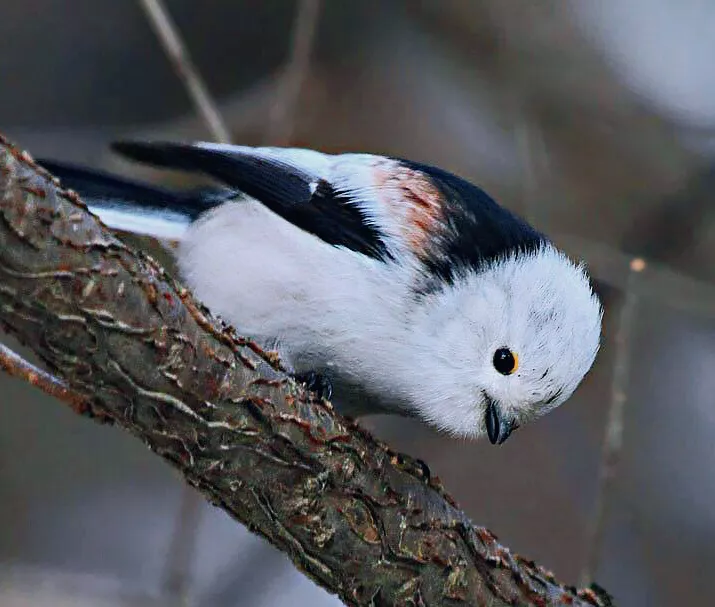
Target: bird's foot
[{"x": 315, "y": 382}]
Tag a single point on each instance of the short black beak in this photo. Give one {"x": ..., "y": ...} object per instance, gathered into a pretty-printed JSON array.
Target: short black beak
[{"x": 498, "y": 428}]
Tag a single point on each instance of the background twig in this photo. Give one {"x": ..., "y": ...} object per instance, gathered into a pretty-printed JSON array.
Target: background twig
[
  {"x": 613, "y": 437},
  {"x": 280, "y": 123},
  {"x": 179, "y": 557},
  {"x": 15, "y": 365},
  {"x": 178, "y": 54}
]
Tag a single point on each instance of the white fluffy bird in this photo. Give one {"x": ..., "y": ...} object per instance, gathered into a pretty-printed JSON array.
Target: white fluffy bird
[{"x": 407, "y": 286}]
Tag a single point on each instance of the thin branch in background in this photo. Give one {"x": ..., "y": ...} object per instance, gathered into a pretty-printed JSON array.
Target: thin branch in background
[
  {"x": 613, "y": 438},
  {"x": 13, "y": 364},
  {"x": 280, "y": 123},
  {"x": 534, "y": 155},
  {"x": 182, "y": 545},
  {"x": 177, "y": 579},
  {"x": 176, "y": 50}
]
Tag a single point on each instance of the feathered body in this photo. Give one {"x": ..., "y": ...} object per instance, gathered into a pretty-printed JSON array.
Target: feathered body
[{"x": 401, "y": 282}]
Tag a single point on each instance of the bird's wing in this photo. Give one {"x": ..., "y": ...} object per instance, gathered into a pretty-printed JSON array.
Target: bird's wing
[
  {"x": 470, "y": 230},
  {"x": 295, "y": 184},
  {"x": 382, "y": 207}
]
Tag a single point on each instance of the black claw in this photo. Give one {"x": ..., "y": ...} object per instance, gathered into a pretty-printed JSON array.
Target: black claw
[{"x": 315, "y": 382}]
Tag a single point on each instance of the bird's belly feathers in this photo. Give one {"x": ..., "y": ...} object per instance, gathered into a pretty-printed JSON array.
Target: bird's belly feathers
[{"x": 290, "y": 291}]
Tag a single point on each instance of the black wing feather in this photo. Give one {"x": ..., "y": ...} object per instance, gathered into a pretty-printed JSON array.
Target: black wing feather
[
  {"x": 310, "y": 204},
  {"x": 478, "y": 230},
  {"x": 102, "y": 188}
]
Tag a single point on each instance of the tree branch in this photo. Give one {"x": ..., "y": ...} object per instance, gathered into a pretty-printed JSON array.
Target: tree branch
[
  {"x": 13, "y": 364},
  {"x": 361, "y": 520}
]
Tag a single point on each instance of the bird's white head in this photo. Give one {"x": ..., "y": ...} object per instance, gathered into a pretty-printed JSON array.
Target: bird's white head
[{"x": 505, "y": 344}]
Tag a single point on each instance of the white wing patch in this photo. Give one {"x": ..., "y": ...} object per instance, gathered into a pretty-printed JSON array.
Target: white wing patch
[{"x": 164, "y": 225}]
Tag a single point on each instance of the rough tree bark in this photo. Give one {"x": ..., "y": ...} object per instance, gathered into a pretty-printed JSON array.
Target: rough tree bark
[{"x": 362, "y": 521}]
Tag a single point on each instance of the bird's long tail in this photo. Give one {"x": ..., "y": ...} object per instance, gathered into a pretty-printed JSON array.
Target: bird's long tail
[{"x": 136, "y": 207}]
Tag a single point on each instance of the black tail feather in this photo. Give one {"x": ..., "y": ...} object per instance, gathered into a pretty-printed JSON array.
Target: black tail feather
[{"x": 103, "y": 189}]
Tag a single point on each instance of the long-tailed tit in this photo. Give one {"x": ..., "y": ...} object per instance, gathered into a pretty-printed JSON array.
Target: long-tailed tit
[{"x": 408, "y": 287}]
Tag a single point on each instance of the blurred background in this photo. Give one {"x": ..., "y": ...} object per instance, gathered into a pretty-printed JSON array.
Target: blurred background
[{"x": 595, "y": 120}]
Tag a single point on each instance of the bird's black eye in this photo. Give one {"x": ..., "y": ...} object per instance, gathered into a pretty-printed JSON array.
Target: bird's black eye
[{"x": 505, "y": 361}]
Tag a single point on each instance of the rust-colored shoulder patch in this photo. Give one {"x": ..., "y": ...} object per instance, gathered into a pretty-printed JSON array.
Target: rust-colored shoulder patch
[{"x": 412, "y": 201}]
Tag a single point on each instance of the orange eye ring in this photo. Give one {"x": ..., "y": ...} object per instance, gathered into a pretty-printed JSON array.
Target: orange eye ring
[{"x": 505, "y": 361}]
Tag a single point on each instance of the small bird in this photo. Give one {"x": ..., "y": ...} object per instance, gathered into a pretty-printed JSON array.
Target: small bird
[{"x": 401, "y": 286}]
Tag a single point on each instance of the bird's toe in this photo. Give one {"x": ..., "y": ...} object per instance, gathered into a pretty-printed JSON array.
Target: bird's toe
[{"x": 316, "y": 382}]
